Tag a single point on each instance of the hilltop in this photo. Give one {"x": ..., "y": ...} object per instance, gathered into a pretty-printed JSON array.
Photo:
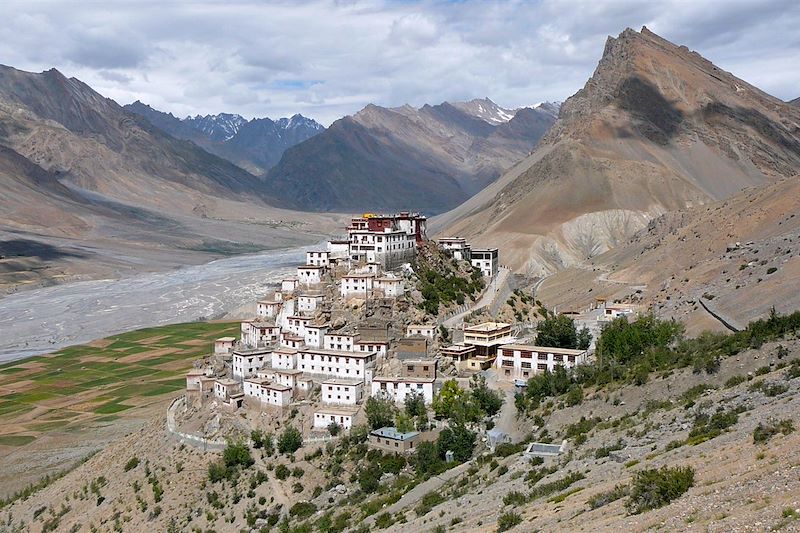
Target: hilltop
[{"x": 657, "y": 128}]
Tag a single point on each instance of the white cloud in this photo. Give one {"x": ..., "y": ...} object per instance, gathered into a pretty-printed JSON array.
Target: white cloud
[{"x": 328, "y": 59}]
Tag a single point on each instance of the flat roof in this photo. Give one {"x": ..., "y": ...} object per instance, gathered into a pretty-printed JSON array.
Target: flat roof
[
  {"x": 277, "y": 386},
  {"x": 484, "y": 249},
  {"x": 358, "y": 276},
  {"x": 370, "y": 342},
  {"x": 285, "y": 351},
  {"x": 420, "y": 361},
  {"x": 343, "y": 381},
  {"x": 542, "y": 349},
  {"x": 400, "y": 379},
  {"x": 317, "y": 326},
  {"x": 420, "y": 326},
  {"x": 487, "y": 326},
  {"x": 341, "y": 411},
  {"x": 225, "y": 339},
  {"x": 388, "y": 278},
  {"x": 196, "y": 372},
  {"x": 310, "y": 267},
  {"x": 258, "y": 381},
  {"x": 390, "y": 432},
  {"x": 248, "y": 353},
  {"x": 227, "y": 382},
  {"x": 339, "y": 353},
  {"x": 270, "y": 302},
  {"x": 458, "y": 348},
  {"x": 299, "y": 317},
  {"x": 287, "y": 371}
]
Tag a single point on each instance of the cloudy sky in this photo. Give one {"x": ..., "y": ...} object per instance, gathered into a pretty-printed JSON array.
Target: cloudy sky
[{"x": 329, "y": 59}]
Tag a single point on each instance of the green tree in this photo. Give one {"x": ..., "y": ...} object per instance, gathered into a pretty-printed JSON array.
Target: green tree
[
  {"x": 427, "y": 459},
  {"x": 486, "y": 399},
  {"x": 380, "y": 412},
  {"x": 334, "y": 428},
  {"x": 448, "y": 398},
  {"x": 584, "y": 338},
  {"x": 415, "y": 405},
  {"x": 622, "y": 342},
  {"x": 369, "y": 478},
  {"x": 403, "y": 423},
  {"x": 237, "y": 454},
  {"x": 290, "y": 440},
  {"x": 557, "y": 331},
  {"x": 457, "y": 439}
]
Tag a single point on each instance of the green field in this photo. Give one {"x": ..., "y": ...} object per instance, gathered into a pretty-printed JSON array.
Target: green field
[{"x": 100, "y": 381}]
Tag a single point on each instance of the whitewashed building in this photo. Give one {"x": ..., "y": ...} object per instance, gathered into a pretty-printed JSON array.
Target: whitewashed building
[
  {"x": 488, "y": 261},
  {"x": 456, "y": 247},
  {"x": 399, "y": 388},
  {"x": 268, "y": 308},
  {"x": 315, "y": 333},
  {"x": 321, "y": 259},
  {"x": 340, "y": 391},
  {"x": 426, "y": 330},
  {"x": 224, "y": 345},
  {"x": 389, "y": 286},
  {"x": 342, "y": 416},
  {"x": 342, "y": 342},
  {"x": 338, "y": 250},
  {"x": 276, "y": 394},
  {"x": 523, "y": 361},
  {"x": 333, "y": 363},
  {"x": 378, "y": 347},
  {"x": 247, "y": 363},
  {"x": 310, "y": 274},
  {"x": 308, "y": 303},
  {"x": 289, "y": 285},
  {"x": 257, "y": 334},
  {"x": 297, "y": 324},
  {"x": 356, "y": 285},
  {"x": 292, "y": 340},
  {"x": 225, "y": 388},
  {"x": 283, "y": 358}
]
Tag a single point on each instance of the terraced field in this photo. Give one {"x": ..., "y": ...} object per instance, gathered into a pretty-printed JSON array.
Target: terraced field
[{"x": 51, "y": 400}]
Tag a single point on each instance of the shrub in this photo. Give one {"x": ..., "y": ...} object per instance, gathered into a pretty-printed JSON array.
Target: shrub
[
  {"x": 282, "y": 471},
  {"x": 735, "y": 380},
  {"x": 763, "y": 432},
  {"x": 655, "y": 488},
  {"x": 290, "y": 440},
  {"x": 706, "y": 428},
  {"x": 132, "y": 463},
  {"x": 302, "y": 510},
  {"x": 515, "y": 498},
  {"x": 237, "y": 454},
  {"x": 508, "y": 520},
  {"x": 504, "y": 449},
  {"x": 771, "y": 270},
  {"x": 217, "y": 471},
  {"x": 604, "y": 498}
]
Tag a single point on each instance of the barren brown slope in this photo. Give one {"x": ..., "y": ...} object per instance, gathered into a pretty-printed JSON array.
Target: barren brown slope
[
  {"x": 81, "y": 173},
  {"x": 656, "y": 128},
  {"x": 429, "y": 159},
  {"x": 689, "y": 259}
]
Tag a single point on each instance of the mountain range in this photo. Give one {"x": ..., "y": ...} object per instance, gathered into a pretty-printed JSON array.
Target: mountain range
[
  {"x": 105, "y": 191},
  {"x": 255, "y": 145},
  {"x": 657, "y": 128},
  {"x": 430, "y": 158}
]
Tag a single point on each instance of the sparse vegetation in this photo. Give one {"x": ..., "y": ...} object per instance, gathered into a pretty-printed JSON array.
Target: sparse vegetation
[
  {"x": 655, "y": 488},
  {"x": 508, "y": 520},
  {"x": 764, "y": 432}
]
